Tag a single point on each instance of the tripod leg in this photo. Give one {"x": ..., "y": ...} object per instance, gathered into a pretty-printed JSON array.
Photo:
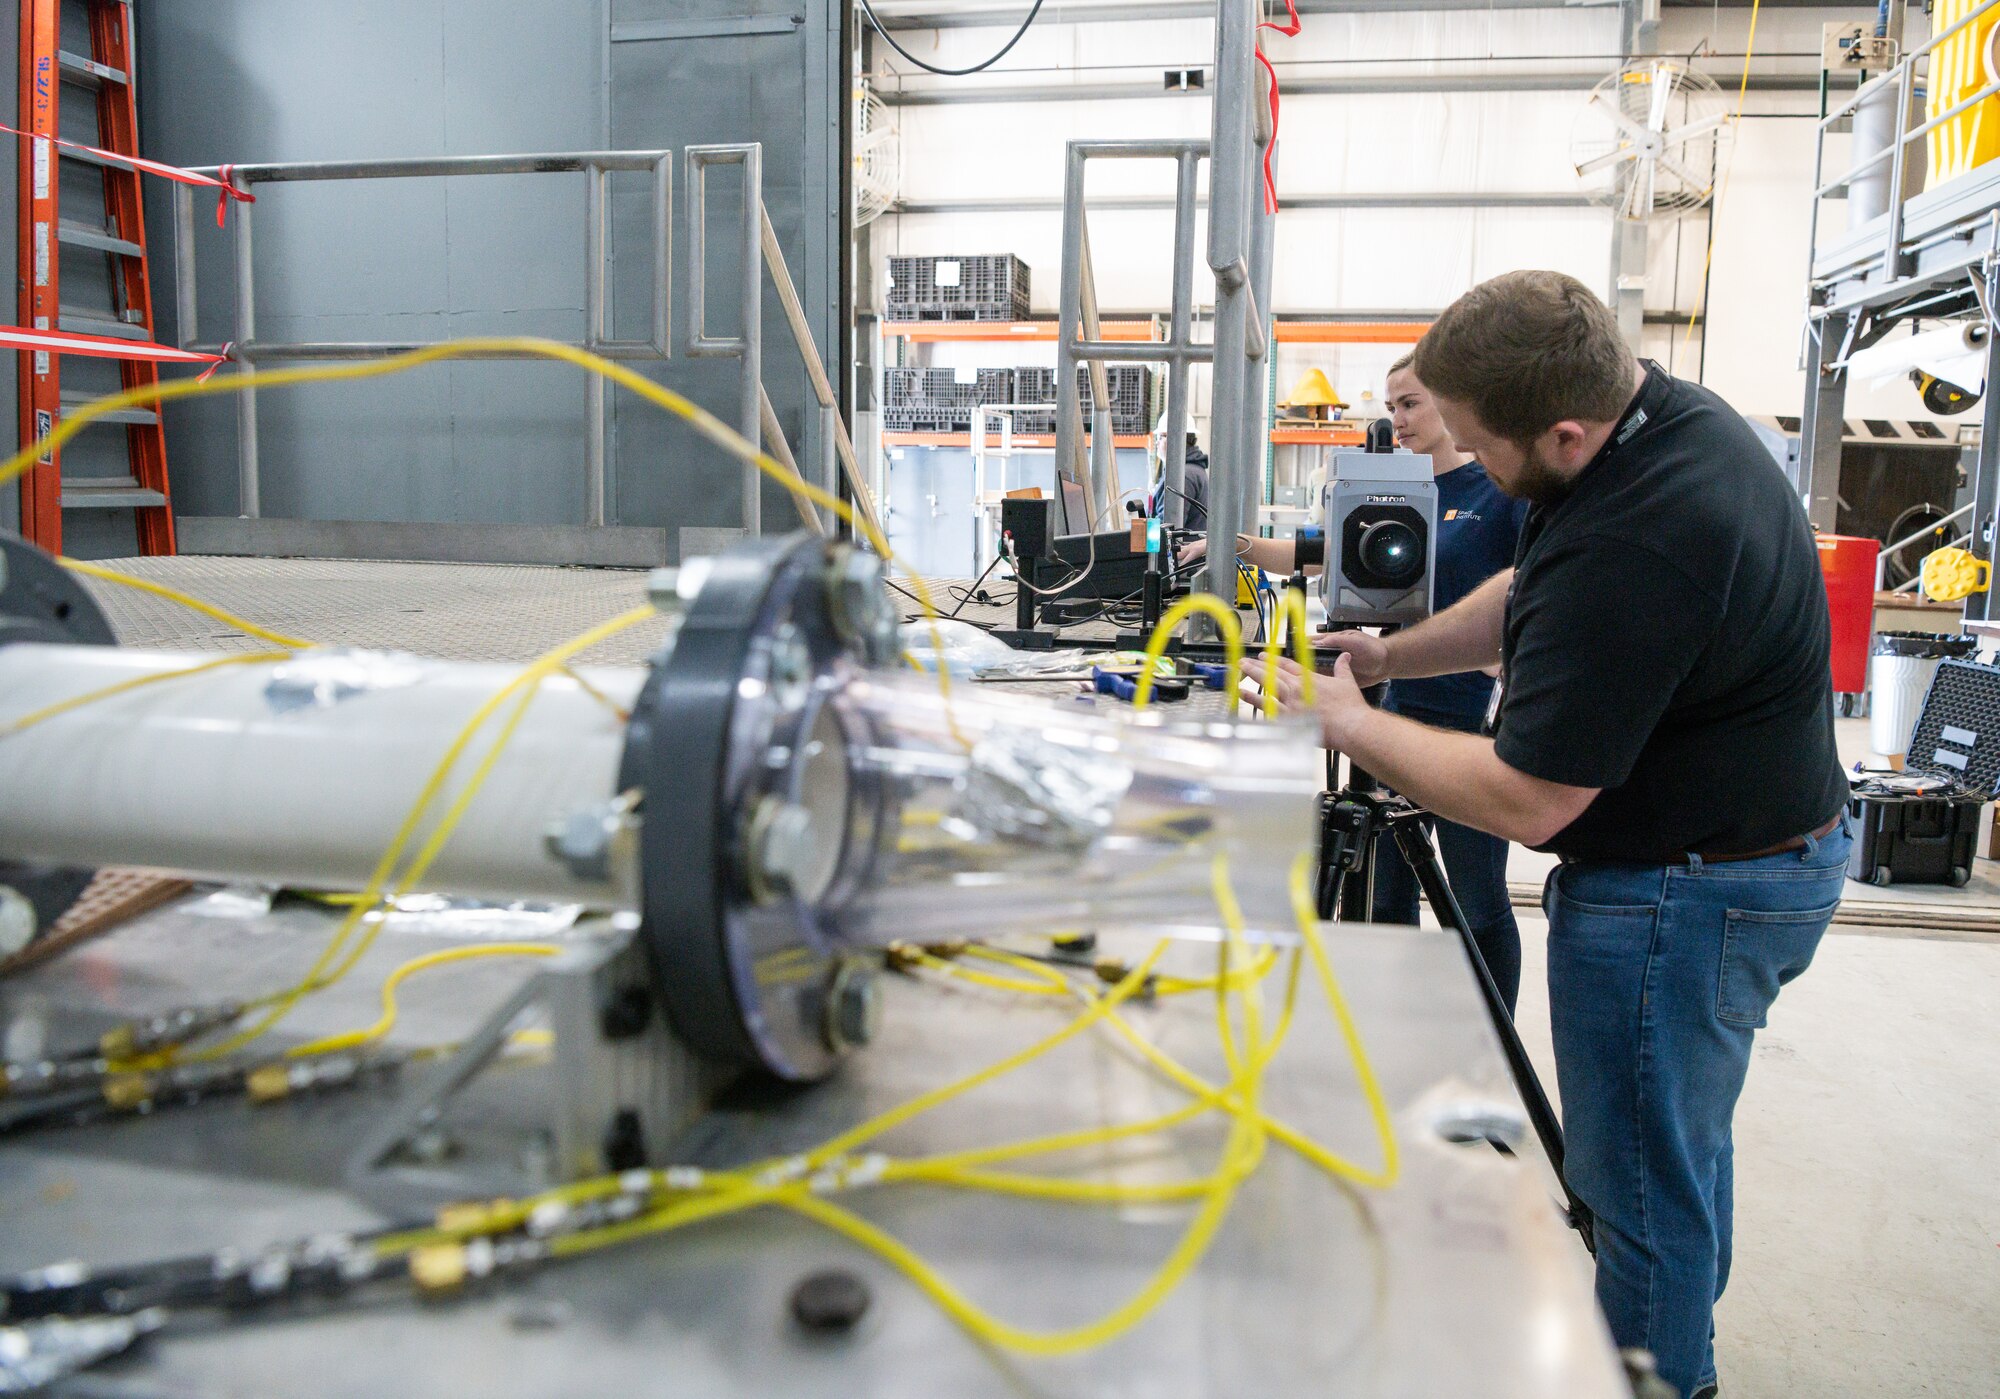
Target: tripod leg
[{"x": 1415, "y": 843}]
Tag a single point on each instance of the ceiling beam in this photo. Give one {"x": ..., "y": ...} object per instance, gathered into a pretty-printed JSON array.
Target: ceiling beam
[
  {"x": 1055, "y": 12},
  {"x": 955, "y": 93},
  {"x": 1030, "y": 204}
]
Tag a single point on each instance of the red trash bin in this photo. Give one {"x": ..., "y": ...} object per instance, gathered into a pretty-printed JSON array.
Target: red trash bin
[{"x": 1848, "y": 565}]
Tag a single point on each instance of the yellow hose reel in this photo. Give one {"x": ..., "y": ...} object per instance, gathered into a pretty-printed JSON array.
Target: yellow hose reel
[{"x": 1951, "y": 574}]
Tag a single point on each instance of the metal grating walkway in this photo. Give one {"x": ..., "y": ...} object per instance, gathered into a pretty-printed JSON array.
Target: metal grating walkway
[{"x": 466, "y": 612}]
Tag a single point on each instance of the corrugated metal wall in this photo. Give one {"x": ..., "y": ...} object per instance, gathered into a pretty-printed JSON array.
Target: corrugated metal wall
[{"x": 241, "y": 80}]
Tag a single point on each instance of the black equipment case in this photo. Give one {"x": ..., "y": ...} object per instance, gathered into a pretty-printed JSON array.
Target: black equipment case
[{"x": 1920, "y": 825}]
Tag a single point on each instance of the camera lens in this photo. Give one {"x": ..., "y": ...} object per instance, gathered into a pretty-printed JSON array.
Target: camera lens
[{"x": 1392, "y": 552}]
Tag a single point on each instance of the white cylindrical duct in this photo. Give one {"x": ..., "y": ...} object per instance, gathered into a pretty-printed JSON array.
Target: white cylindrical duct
[{"x": 299, "y": 772}]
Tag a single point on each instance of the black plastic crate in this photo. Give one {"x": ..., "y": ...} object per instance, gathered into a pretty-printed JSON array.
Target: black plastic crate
[
  {"x": 939, "y": 400},
  {"x": 992, "y": 311},
  {"x": 1920, "y": 825},
  {"x": 1130, "y": 385},
  {"x": 981, "y": 287}
]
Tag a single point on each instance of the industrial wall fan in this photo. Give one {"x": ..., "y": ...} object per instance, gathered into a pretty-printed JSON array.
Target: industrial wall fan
[
  {"x": 1645, "y": 141},
  {"x": 877, "y": 156}
]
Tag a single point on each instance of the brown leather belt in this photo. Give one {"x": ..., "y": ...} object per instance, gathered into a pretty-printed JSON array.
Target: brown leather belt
[{"x": 1795, "y": 843}]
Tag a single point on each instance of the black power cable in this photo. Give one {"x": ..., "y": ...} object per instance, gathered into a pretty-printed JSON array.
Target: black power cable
[{"x": 1005, "y": 48}]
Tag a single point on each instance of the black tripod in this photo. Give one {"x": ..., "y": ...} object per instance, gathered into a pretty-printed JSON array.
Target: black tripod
[{"x": 1350, "y": 820}]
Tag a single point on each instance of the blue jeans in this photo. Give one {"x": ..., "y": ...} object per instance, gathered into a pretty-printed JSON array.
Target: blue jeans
[
  {"x": 1659, "y": 977},
  {"x": 1476, "y": 865}
]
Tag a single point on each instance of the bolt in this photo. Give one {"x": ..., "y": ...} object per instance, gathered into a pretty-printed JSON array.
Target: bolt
[
  {"x": 17, "y": 921},
  {"x": 583, "y": 839},
  {"x": 624, "y": 1142},
  {"x": 860, "y": 605},
  {"x": 791, "y": 667},
  {"x": 786, "y": 847},
  {"x": 853, "y": 1007},
  {"x": 672, "y": 589},
  {"x": 832, "y": 1300},
  {"x": 431, "y": 1147},
  {"x": 626, "y": 1013}
]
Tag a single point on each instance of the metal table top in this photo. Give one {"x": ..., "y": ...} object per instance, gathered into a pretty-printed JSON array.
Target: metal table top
[{"x": 1460, "y": 1279}]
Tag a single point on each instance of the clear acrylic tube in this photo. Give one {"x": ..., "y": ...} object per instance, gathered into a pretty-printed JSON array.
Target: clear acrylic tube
[{"x": 985, "y": 813}]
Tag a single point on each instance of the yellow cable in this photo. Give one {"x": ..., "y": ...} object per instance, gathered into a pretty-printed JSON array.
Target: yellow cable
[
  {"x": 50, "y": 711},
  {"x": 74, "y": 420},
  {"x": 1226, "y": 621},
  {"x": 147, "y": 585},
  {"x": 354, "y": 1039},
  {"x": 924, "y": 1102},
  {"x": 1364, "y": 1069},
  {"x": 1292, "y": 608},
  {"x": 722, "y": 1193},
  {"x": 1728, "y": 166}
]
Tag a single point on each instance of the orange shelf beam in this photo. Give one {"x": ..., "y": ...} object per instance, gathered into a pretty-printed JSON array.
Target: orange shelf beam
[
  {"x": 964, "y": 439},
  {"x": 1351, "y": 332},
  {"x": 1316, "y": 436}
]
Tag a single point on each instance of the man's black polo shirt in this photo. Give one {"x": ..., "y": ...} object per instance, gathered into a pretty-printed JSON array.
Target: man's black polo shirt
[{"x": 1666, "y": 640}]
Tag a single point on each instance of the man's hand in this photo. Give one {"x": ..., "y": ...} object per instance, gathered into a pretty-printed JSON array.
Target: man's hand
[
  {"x": 1337, "y": 699},
  {"x": 1369, "y": 655},
  {"x": 1194, "y": 549}
]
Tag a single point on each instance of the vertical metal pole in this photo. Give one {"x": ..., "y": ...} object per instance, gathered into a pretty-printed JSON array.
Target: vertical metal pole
[
  {"x": 1100, "y": 487},
  {"x": 1821, "y": 425},
  {"x": 1892, "y": 262},
  {"x": 1230, "y": 169},
  {"x": 752, "y": 252},
  {"x": 1986, "y": 473},
  {"x": 594, "y": 334},
  {"x": 185, "y": 312},
  {"x": 249, "y": 504},
  {"x": 1257, "y": 372},
  {"x": 1069, "y": 412},
  {"x": 1173, "y": 467}
]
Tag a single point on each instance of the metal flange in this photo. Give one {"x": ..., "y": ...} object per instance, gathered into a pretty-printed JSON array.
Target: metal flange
[{"x": 747, "y": 815}]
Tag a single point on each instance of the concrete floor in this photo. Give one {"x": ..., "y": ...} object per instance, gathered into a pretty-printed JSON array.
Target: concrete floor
[
  {"x": 1867, "y": 1201},
  {"x": 1868, "y": 1197}
]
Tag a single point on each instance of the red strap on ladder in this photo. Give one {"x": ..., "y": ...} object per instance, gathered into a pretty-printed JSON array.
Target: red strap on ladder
[
  {"x": 99, "y": 346},
  {"x": 227, "y": 188}
]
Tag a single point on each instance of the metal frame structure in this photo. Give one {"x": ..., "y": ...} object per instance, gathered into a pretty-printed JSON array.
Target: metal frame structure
[
  {"x": 1241, "y": 233},
  {"x": 247, "y": 350},
  {"x": 747, "y": 345},
  {"x": 1935, "y": 255},
  {"x": 758, "y": 244}
]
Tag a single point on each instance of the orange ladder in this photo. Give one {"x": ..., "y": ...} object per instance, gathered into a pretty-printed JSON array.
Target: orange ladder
[{"x": 47, "y": 68}]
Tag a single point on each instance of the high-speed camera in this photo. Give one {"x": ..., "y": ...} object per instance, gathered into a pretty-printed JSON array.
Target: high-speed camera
[{"x": 1381, "y": 539}]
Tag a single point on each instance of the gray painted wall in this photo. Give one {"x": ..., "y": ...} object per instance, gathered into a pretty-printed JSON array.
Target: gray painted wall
[{"x": 243, "y": 80}]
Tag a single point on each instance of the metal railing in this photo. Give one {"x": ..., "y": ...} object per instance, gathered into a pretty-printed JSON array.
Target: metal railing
[
  {"x": 1080, "y": 337},
  {"x": 758, "y": 243},
  {"x": 1903, "y": 77},
  {"x": 1891, "y": 549},
  {"x": 246, "y": 349}
]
